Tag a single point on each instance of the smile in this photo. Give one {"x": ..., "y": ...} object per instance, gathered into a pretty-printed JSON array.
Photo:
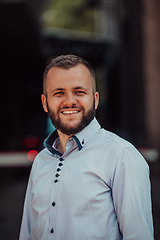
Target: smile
[{"x": 70, "y": 112}]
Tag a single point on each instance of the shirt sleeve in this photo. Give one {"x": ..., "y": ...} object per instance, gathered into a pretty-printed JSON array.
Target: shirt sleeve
[
  {"x": 28, "y": 215},
  {"x": 132, "y": 196}
]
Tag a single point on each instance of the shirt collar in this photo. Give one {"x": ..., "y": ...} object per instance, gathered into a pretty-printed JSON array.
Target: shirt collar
[
  {"x": 84, "y": 135},
  {"x": 48, "y": 142},
  {"x": 81, "y": 138}
]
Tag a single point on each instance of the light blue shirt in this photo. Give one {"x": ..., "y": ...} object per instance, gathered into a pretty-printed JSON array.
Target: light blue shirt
[{"x": 99, "y": 189}]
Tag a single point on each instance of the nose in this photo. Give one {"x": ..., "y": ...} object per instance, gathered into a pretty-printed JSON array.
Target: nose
[{"x": 70, "y": 100}]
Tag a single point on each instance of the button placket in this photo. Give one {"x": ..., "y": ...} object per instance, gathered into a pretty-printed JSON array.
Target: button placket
[{"x": 57, "y": 175}]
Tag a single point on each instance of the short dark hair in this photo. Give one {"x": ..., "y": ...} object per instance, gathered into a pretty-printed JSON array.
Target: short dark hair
[{"x": 67, "y": 62}]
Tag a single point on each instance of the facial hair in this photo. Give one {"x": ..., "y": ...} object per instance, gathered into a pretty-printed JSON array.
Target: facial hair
[{"x": 85, "y": 120}]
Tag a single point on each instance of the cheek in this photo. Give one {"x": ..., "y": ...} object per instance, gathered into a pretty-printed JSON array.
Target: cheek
[
  {"x": 87, "y": 103},
  {"x": 53, "y": 103}
]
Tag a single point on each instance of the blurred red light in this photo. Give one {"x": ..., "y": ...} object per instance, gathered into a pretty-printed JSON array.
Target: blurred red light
[{"x": 31, "y": 155}]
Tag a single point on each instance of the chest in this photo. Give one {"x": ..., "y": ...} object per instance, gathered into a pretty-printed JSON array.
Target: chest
[{"x": 85, "y": 177}]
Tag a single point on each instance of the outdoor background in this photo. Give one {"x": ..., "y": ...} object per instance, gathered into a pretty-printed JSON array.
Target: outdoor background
[{"x": 120, "y": 39}]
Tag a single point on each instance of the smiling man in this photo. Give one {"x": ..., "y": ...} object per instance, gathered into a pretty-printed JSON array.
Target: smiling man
[
  {"x": 70, "y": 99},
  {"x": 87, "y": 183}
]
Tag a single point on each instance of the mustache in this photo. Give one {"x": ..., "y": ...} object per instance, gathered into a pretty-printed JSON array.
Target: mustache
[{"x": 72, "y": 107}]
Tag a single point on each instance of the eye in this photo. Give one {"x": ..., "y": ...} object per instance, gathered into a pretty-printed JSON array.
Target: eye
[
  {"x": 59, "y": 93},
  {"x": 80, "y": 92}
]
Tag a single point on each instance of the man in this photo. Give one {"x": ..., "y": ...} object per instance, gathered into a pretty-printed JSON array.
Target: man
[{"x": 87, "y": 183}]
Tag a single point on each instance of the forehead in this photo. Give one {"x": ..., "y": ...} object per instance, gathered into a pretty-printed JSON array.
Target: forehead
[{"x": 60, "y": 77}]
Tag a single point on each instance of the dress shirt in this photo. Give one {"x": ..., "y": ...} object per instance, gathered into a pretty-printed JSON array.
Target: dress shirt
[{"x": 99, "y": 189}]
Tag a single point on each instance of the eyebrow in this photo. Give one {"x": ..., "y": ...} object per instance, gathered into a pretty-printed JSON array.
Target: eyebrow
[
  {"x": 62, "y": 89},
  {"x": 58, "y": 89},
  {"x": 80, "y": 87}
]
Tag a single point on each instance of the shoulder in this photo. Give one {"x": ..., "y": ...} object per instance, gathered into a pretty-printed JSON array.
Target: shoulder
[
  {"x": 110, "y": 142},
  {"x": 120, "y": 150},
  {"x": 114, "y": 139},
  {"x": 40, "y": 160}
]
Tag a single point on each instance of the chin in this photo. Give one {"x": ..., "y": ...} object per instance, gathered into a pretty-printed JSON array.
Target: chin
[{"x": 71, "y": 124}]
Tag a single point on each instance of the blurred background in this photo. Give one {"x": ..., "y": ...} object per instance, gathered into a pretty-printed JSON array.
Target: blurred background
[{"x": 120, "y": 39}]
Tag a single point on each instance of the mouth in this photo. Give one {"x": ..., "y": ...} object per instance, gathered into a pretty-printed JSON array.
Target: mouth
[{"x": 70, "y": 112}]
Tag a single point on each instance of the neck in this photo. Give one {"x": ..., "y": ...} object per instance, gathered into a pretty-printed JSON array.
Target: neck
[{"x": 63, "y": 138}]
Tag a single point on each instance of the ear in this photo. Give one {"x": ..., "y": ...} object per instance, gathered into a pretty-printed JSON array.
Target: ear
[
  {"x": 96, "y": 98},
  {"x": 44, "y": 102}
]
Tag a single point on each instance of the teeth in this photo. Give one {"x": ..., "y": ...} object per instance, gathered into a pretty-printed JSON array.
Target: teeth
[{"x": 69, "y": 112}]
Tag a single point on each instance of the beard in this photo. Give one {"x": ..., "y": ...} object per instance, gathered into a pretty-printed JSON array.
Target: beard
[{"x": 64, "y": 128}]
